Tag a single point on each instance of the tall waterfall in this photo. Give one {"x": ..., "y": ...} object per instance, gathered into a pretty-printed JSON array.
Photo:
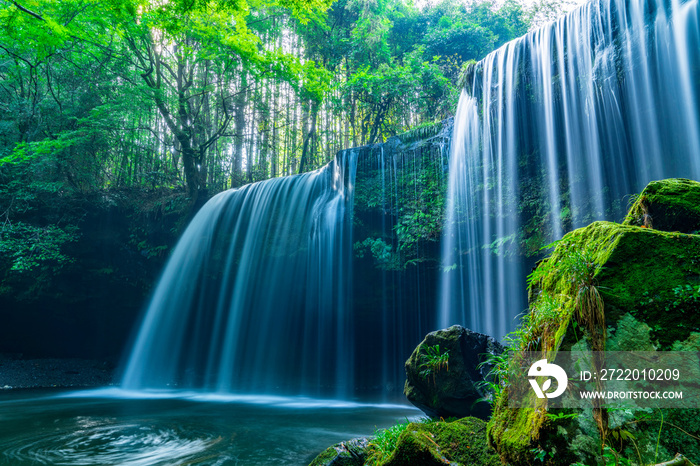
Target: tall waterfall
[
  {"x": 256, "y": 295},
  {"x": 554, "y": 130}
]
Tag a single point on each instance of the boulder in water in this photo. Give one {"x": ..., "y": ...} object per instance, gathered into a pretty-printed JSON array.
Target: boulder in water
[{"x": 445, "y": 375}]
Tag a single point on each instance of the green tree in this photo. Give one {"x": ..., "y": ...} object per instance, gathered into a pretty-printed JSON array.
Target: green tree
[{"x": 194, "y": 62}]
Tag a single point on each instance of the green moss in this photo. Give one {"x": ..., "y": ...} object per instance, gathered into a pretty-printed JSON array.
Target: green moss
[
  {"x": 691, "y": 344},
  {"x": 384, "y": 442},
  {"x": 438, "y": 443},
  {"x": 514, "y": 432},
  {"x": 350, "y": 453},
  {"x": 324, "y": 458},
  {"x": 669, "y": 205},
  {"x": 424, "y": 131},
  {"x": 639, "y": 270},
  {"x": 648, "y": 280}
]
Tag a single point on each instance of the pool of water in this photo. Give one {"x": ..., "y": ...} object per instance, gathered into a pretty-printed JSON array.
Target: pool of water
[{"x": 113, "y": 427}]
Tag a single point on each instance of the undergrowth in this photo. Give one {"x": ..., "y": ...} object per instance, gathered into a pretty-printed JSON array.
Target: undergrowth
[{"x": 384, "y": 441}]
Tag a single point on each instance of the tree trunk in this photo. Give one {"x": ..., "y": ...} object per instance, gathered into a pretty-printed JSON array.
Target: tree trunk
[
  {"x": 240, "y": 104},
  {"x": 309, "y": 146}
]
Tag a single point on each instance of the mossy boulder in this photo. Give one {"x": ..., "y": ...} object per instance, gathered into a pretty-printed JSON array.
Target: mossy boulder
[
  {"x": 350, "y": 453},
  {"x": 458, "y": 442},
  {"x": 445, "y": 375},
  {"x": 649, "y": 282},
  {"x": 651, "y": 275},
  {"x": 668, "y": 205}
]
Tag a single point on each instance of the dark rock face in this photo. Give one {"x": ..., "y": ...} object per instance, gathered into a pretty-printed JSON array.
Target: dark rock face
[
  {"x": 350, "y": 453},
  {"x": 451, "y": 389},
  {"x": 86, "y": 307}
]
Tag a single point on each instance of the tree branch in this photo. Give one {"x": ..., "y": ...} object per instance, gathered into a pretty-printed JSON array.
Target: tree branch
[{"x": 29, "y": 12}]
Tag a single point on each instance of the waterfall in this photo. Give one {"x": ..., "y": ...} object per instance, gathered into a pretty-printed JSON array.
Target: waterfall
[
  {"x": 256, "y": 295},
  {"x": 555, "y": 130},
  {"x": 302, "y": 285},
  {"x": 317, "y": 285}
]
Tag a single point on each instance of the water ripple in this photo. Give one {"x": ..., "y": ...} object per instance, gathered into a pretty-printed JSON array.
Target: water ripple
[{"x": 105, "y": 441}]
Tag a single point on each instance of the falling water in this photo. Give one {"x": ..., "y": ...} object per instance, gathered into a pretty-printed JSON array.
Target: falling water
[
  {"x": 554, "y": 131},
  {"x": 255, "y": 297}
]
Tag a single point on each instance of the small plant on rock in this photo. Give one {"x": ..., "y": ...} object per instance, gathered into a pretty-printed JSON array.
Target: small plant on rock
[
  {"x": 434, "y": 361},
  {"x": 384, "y": 442}
]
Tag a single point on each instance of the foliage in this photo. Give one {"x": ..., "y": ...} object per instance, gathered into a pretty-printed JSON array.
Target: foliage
[
  {"x": 29, "y": 247},
  {"x": 421, "y": 216},
  {"x": 540, "y": 12},
  {"x": 405, "y": 184},
  {"x": 428, "y": 441},
  {"x": 496, "y": 380},
  {"x": 682, "y": 432},
  {"x": 214, "y": 94},
  {"x": 138, "y": 238},
  {"x": 433, "y": 361},
  {"x": 384, "y": 442},
  {"x": 553, "y": 417},
  {"x": 644, "y": 273},
  {"x": 384, "y": 257}
]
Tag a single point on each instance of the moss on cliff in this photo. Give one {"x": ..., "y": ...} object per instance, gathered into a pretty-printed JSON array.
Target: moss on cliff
[
  {"x": 669, "y": 205},
  {"x": 651, "y": 274},
  {"x": 649, "y": 284}
]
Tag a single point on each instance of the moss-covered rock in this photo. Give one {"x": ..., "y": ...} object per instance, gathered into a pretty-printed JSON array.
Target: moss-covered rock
[
  {"x": 350, "y": 453},
  {"x": 652, "y": 275},
  {"x": 444, "y": 375},
  {"x": 668, "y": 205},
  {"x": 458, "y": 442},
  {"x": 648, "y": 284}
]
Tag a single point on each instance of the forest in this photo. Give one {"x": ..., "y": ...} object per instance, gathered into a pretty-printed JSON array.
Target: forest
[
  {"x": 213, "y": 95},
  {"x": 206, "y": 96}
]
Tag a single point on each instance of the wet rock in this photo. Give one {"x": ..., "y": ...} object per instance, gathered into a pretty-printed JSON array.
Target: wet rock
[
  {"x": 350, "y": 453},
  {"x": 16, "y": 372},
  {"x": 445, "y": 377},
  {"x": 648, "y": 280}
]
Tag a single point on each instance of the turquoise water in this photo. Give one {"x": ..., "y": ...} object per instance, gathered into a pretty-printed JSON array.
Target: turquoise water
[{"x": 114, "y": 427}]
